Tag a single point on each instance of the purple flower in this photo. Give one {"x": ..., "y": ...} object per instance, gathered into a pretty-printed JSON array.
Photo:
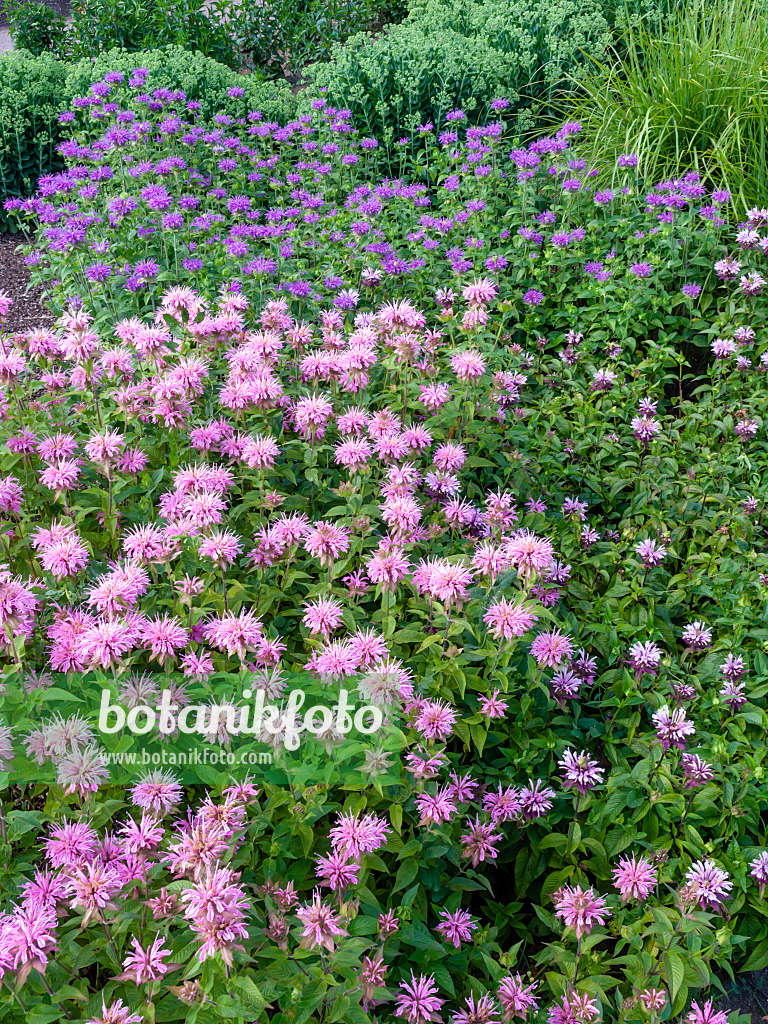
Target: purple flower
[{"x": 533, "y": 297}]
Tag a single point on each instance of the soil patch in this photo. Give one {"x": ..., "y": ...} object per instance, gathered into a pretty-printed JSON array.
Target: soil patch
[{"x": 28, "y": 310}]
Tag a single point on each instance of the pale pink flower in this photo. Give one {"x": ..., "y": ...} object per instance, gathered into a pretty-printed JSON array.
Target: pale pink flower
[
  {"x": 634, "y": 878},
  {"x": 417, "y": 1000},
  {"x": 146, "y": 964},
  {"x": 551, "y": 647},
  {"x": 509, "y": 619},
  {"x": 580, "y": 909},
  {"x": 323, "y": 615},
  {"x": 321, "y": 925}
]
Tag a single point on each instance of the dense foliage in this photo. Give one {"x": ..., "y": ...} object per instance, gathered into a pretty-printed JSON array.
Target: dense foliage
[
  {"x": 275, "y": 34},
  {"x": 450, "y": 53},
  {"x": 35, "y": 90},
  {"x": 690, "y": 92},
  {"x": 31, "y": 98},
  {"x": 480, "y": 442}
]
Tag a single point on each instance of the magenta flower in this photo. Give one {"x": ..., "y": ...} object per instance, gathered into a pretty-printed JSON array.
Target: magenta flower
[
  {"x": 706, "y": 1014},
  {"x": 456, "y": 926},
  {"x": 634, "y": 878},
  {"x": 580, "y": 909},
  {"x": 515, "y": 997},
  {"x": 417, "y": 1000},
  {"x": 146, "y": 964}
]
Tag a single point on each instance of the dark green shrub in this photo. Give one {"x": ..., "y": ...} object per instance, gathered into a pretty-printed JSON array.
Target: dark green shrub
[
  {"x": 283, "y": 33},
  {"x": 465, "y": 53},
  {"x": 409, "y": 76},
  {"x": 34, "y": 26},
  {"x": 101, "y": 25},
  {"x": 32, "y": 94}
]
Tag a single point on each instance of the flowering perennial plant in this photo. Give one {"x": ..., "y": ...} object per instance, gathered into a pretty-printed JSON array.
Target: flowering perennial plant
[{"x": 475, "y": 441}]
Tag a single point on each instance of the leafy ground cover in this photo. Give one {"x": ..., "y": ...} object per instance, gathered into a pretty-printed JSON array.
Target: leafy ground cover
[{"x": 480, "y": 441}]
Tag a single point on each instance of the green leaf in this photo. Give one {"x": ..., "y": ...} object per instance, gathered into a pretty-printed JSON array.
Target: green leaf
[
  {"x": 406, "y": 873},
  {"x": 674, "y": 971}
]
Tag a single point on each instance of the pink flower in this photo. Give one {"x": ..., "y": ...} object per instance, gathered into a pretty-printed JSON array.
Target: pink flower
[
  {"x": 580, "y": 909},
  {"x": 650, "y": 553},
  {"x": 672, "y": 727},
  {"x": 158, "y": 793},
  {"x": 536, "y": 799},
  {"x": 483, "y": 1009},
  {"x": 353, "y": 454},
  {"x": 148, "y": 964},
  {"x": 322, "y": 616},
  {"x": 235, "y": 634},
  {"x": 354, "y": 835},
  {"x": 321, "y": 925},
  {"x": 70, "y": 844},
  {"x": 515, "y": 997},
  {"x": 551, "y": 647},
  {"x": 326, "y": 541},
  {"x": 480, "y": 292},
  {"x": 387, "y": 567},
  {"x": 479, "y": 841},
  {"x": 709, "y": 884},
  {"x": 697, "y": 635},
  {"x": 492, "y": 705},
  {"x": 11, "y": 495},
  {"x": 82, "y": 771},
  {"x": 509, "y": 619},
  {"x": 456, "y": 926},
  {"x": 260, "y": 452},
  {"x": 337, "y": 871},
  {"x": 435, "y": 719},
  {"x": 575, "y": 1008},
  {"x": 435, "y": 808},
  {"x": 93, "y": 887},
  {"x": 706, "y": 1014},
  {"x": 215, "y": 908},
  {"x": 28, "y": 936},
  {"x": 468, "y": 366},
  {"x": 221, "y": 546},
  {"x": 653, "y": 1000},
  {"x": 580, "y": 771},
  {"x": 115, "y": 1014},
  {"x": 634, "y": 878},
  {"x": 311, "y": 416},
  {"x": 528, "y": 553},
  {"x": 164, "y": 636},
  {"x": 417, "y": 1000}
]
